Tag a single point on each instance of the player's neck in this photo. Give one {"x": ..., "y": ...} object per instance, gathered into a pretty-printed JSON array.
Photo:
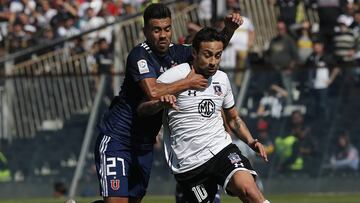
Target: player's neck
[{"x": 199, "y": 72}]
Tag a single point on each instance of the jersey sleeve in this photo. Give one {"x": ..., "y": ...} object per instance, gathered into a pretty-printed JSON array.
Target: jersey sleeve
[
  {"x": 139, "y": 65},
  {"x": 228, "y": 98},
  {"x": 174, "y": 74}
]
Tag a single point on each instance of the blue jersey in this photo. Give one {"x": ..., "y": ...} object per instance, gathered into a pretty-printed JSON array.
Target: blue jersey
[{"x": 121, "y": 121}]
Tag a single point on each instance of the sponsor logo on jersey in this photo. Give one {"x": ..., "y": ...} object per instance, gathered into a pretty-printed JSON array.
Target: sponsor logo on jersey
[
  {"x": 143, "y": 67},
  {"x": 192, "y": 93},
  {"x": 115, "y": 184},
  {"x": 206, "y": 107},
  {"x": 217, "y": 89}
]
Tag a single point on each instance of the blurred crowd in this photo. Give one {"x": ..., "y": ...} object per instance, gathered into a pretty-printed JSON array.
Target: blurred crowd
[{"x": 24, "y": 23}]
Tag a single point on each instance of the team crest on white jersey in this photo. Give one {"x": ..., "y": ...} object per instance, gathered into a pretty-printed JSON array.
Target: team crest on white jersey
[
  {"x": 143, "y": 67},
  {"x": 206, "y": 108},
  {"x": 217, "y": 89}
]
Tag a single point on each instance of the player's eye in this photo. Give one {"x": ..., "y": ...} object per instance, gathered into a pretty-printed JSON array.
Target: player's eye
[
  {"x": 168, "y": 29},
  {"x": 218, "y": 56}
]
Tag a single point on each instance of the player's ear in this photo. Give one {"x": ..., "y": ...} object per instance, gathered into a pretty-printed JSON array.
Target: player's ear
[
  {"x": 194, "y": 53},
  {"x": 145, "y": 30}
]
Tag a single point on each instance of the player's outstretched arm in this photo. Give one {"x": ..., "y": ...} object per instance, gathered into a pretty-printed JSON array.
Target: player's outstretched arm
[
  {"x": 152, "y": 107},
  {"x": 240, "y": 129},
  {"x": 232, "y": 22},
  {"x": 155, "y": 90}
]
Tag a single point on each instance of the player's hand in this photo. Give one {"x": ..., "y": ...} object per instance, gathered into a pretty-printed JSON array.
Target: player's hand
[
  {"x": 233, "y": 21},
  {"x": 169, "y": 101},
  {"x": 259, "y": 148},
  {"x": 196, "y": 81}
]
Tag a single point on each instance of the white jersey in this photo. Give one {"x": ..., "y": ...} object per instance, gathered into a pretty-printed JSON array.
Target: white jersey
[{"x": 196, "y": 133}]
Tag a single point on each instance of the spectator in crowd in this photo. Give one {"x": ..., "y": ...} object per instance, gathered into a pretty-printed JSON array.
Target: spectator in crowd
[
  {"x": 304, "y": 42},
  {"x": 62, "y": 15},
  {"x": 78, "y": 46},
  {"x": 23, "y": 6},
  {"x": 67, "y": 29},
  {"x": 306, "y": 148},
  {"x": 322, "y": 73},
  {"x": 344, "y": 44},
  {"x": 283, "y": 56},
  {"x": 347, "y": 17},
  {"x": 44, "y": 14},
  {"x": 271, "y": 104},
  {"x": 90, "y": 21},
  {"x": 18, "y": 39},
  {"x": 296, "y": 120},
  {"x": 205, "y": 11},
  {"x": 288, "y": 10},
  {"x": 297, "y": 151},
  {"x": 46, "y": 37},
  {"x": 328, "y": 12},
  {"x": 345, "y": 155}
]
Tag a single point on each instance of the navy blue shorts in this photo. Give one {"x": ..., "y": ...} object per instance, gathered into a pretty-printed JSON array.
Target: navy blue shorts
[{"x": 121, "y": 173}]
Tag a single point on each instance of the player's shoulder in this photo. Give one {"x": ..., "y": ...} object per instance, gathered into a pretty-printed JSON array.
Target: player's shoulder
[
  {"x": 140, "y": 50},
  {"x": 221, "y": 74}
]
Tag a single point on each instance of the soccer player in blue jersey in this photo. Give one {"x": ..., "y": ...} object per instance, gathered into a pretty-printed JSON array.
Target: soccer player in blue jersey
[{"x": 124, "y": 148}]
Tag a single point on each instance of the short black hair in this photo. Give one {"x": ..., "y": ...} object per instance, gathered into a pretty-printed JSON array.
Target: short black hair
[
  {"x": 207, "y": 34},
  {"x": 156, "y": 11}
]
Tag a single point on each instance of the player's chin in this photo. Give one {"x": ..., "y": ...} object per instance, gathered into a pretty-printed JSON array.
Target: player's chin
[
  {"x": 162, "y": 48},
  {"x": 211, "y": 72}
]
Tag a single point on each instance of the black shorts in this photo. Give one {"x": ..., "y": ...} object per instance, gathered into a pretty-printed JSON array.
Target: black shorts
[{"x": 200, "y": 184}]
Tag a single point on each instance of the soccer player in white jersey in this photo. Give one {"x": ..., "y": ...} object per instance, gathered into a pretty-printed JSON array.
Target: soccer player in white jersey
[{"x": 198, "y": 149}]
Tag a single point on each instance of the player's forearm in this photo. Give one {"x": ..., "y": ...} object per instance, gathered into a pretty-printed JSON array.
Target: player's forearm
[
  {"x": 161, "y": 89},
  {"x": 227, "y": 33},
  {"x": 238, "y": 126},
  {"x": 149, "y": 108}
]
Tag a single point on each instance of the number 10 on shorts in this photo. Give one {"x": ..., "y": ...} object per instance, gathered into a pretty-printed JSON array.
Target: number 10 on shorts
[{"x": 200, "y": 192}]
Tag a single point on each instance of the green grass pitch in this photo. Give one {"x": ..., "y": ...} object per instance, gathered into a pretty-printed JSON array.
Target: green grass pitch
[{"x": 296, "y": 198}]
